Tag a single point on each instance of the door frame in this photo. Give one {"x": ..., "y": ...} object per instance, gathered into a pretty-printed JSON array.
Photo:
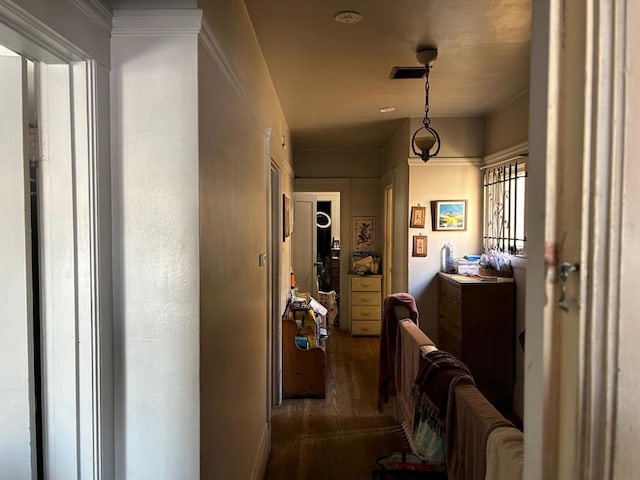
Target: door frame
[
  {"x": 274, "y": 347},
  {"x": 90, "y": 389},
  {"x": 571, "y": 357},
  {"x": 343, "y": 186},
  {"x": 387, "y": 260}
]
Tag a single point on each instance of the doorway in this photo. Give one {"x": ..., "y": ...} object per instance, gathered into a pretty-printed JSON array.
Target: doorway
[
  {"x": 317, "y": 225},
  {"x": 56, "y": 254},
  {"x": 274, "y": 289}
]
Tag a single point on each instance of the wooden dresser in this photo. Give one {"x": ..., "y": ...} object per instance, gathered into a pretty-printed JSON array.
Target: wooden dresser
[
  {"x": 476, "y": 322},
  {"x": 366, "y": 310}
]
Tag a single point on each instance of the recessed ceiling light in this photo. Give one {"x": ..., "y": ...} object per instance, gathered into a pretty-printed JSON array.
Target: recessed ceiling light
[
  {"x": 348, "y": 16},
  {"x": 386, "y": 109}
]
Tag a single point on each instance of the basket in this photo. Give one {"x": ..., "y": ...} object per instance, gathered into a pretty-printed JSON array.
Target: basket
[{"x": 489, "y": 272}]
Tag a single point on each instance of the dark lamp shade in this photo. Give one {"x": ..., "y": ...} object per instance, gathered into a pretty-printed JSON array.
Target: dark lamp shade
[{"x": 425, "y": 142}]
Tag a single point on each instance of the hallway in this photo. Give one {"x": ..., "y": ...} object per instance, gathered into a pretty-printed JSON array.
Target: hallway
[{"x": 342, "y": 435}]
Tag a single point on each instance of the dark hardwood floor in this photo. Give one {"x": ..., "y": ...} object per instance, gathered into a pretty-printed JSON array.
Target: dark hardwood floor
[{"x": 340, "y": 436}]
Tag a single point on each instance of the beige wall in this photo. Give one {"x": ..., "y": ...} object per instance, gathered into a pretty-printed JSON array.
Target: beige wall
[
  {"x": 396, "y": 154},
  {"x": 509, "y": 125},
  {"x": 236, "y": 106},
  {"x": 453, "y": 175},
  {"x": 338, "y": 163},
  {"x": 441, "y": 181},
  {"x": 461, "y": 137},
  {"x": 506, "y": 128}
]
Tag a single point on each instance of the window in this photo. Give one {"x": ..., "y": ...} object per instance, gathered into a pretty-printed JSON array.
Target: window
[{"x": 504, "y": 186}]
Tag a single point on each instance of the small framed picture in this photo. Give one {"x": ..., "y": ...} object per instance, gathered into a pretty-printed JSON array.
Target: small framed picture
[
  {"x": 364, "y": 234},
  {"x": 449, "y": 215},
  {"x": 417, "y": 217},
  {"x": 419, "y": 246}
]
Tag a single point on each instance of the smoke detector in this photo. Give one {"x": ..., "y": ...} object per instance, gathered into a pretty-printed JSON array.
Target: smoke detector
[{"x": 348, "y": 17}]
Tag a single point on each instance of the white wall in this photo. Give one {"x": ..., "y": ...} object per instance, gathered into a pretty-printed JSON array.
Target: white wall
[
  {"x": 237, "y": 104},
  {"x": 154, "y": 95}
]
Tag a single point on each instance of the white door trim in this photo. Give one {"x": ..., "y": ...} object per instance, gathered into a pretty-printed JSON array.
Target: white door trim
[
  {"x": 604, "y": 162},
  {"x": 87, "y": 217}
]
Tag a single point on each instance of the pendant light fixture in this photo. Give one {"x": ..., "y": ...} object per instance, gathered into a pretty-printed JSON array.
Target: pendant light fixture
[{"x": 426, "y": 141}]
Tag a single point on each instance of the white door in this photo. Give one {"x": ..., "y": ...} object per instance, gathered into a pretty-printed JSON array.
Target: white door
[
  {"x": 17, "y": 458},
  {"x": 304, "y": 242}
]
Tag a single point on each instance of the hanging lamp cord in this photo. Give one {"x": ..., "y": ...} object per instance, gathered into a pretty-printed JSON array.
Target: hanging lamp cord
[{"x": 426, "y": 120}]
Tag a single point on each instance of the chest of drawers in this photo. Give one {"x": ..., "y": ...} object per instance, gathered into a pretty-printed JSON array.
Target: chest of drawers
[
  {"x": 476, "y": 324},
  {"x": 366, "y": 311}
]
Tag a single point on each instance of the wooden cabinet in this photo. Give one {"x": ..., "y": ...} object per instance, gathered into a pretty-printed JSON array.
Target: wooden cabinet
[
  {"x": 335, "y": 273},
  {"x": 303, "y": 371},
  {"x": 366, "y": 311},
  {"x": 476, "y": 322}
]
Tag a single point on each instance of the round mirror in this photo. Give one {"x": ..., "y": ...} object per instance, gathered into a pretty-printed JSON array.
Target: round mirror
[{"x": 323, "y": 220}]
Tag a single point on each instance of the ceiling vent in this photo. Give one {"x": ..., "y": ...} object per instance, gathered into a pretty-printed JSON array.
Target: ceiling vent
[{"x": 398, "y": 73}]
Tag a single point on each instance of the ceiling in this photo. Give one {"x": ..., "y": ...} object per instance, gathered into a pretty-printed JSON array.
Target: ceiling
[{"x": 331, "y": 78}]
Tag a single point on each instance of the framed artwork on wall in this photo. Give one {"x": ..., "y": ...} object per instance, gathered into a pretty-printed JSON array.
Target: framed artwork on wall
[
  {"x": 419, "y": 246},
  {"x": 286, "y": 217},
  {"x": 417, "y": 217},
  {"x": 448, "y": 215},
  {"x": 364, "y": 234}
]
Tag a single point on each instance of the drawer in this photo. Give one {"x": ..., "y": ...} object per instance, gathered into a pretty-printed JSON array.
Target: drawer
[
  {"x": 365, "y": 284},
  {"x": 450, "y": 294},
  {"x": 365, "y": 298},
  {"x": 448, "y": 342},
  {"x": 364, "y": 312},
  {"x": 452, "y": 321},
  {"x": 364, "y": 327}
]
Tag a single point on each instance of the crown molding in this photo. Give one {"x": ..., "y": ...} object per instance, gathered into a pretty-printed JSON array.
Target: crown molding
[
  {"x": 214, "y": 49},
  {"x": 167, "y": 22},
  {"x": 95, "y": 11},
  {"x": 39, "y": 36},
  {"x": 509, "y": 153},
  {"x": 447, "y": 161}
]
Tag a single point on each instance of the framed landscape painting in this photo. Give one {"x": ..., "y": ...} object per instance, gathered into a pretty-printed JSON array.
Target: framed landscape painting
[{"x": 449, "y": 215}]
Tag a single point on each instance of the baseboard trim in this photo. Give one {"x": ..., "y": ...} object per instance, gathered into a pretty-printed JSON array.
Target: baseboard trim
[{"x": 262, "y": 456}]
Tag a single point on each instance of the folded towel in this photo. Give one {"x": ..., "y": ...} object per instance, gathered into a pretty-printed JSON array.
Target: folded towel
[
  {"x": 470, "y": 420},
  {"x": 438, "y": 373},
  {"x": 410, "y": 339},
  {"x": 388, "y": 335},
  {"x": 505, "y": 454}
]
